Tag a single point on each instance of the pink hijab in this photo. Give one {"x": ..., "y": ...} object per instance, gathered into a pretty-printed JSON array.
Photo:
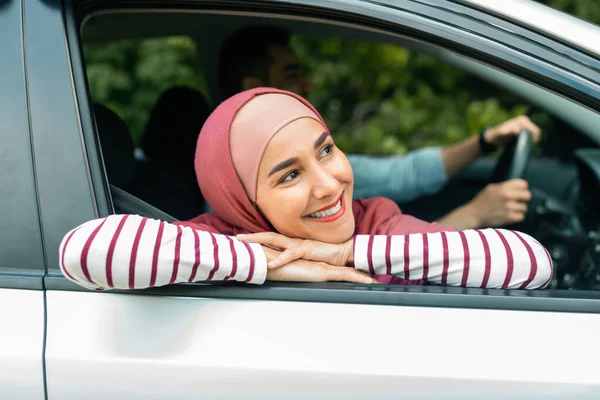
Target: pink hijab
[{"x": 226, "y": 147}]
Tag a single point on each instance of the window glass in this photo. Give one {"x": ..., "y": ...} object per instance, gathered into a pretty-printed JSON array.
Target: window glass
[
  {"x": 128, "y": 76},
  {"x": 384, "y": 99},
  {"x": 377, "y": 98}
]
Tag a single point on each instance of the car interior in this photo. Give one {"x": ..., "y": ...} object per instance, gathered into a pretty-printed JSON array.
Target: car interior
[{"x": 564, "y": 177}]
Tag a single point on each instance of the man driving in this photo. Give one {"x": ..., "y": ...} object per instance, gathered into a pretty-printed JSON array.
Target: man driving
[{"x": 261, "y": 56}]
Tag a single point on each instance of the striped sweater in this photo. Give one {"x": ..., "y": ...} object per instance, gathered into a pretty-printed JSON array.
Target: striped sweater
[{"x": 133, "y": 252}]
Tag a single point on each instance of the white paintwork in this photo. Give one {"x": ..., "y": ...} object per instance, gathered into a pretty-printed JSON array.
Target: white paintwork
[
  {"x": 21, "y": 344},
  {"x": 103, "y": 346},
  {"x": 140, "y": 347},
  {"x": 546, "y": 19}
]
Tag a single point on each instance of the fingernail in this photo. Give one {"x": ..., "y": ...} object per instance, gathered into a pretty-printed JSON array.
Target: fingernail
[
  {"x": 270, "y": 264},
  {"x": 368, "y": 280}
]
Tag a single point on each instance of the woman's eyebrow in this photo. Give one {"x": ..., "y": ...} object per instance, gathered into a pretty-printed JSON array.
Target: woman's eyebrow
[
  {"x": 283, "y": 165},
  {"x": 321, "y": 139}
]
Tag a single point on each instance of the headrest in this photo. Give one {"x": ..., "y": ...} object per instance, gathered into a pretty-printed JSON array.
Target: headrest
[
  {"x": 174, "y": 124},
  {"x": 117, "y": 147}
]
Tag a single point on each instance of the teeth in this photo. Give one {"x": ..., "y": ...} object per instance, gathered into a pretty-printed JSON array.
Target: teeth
[{"x": 326, "y": 213}]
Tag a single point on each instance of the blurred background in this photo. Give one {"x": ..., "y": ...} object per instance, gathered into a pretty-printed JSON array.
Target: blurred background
[{"x": 404, "y": 101}]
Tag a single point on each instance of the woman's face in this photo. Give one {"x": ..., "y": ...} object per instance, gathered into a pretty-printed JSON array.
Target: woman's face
[{"x": 305, "y": 184}]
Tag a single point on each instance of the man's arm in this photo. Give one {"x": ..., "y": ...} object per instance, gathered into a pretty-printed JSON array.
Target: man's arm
[
  {"x": 459, "y": 156},
  {"x": 498, "y": 204},
  {"x": 426, "y": 171},
  {"x": 401, "y": 179}
]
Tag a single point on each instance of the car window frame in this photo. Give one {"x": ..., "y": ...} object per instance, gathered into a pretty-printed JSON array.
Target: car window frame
[
  {"x": 430, "y": 296},
  {"x": 22, "y": 265}
]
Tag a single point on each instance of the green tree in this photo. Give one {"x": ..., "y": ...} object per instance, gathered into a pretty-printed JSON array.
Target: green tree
[
  {"x": 129, "y": 76},
  {"x": 383, "y": 99},
  {"x": 588, "y": 10},
  {"x": 377, "y": 98}
]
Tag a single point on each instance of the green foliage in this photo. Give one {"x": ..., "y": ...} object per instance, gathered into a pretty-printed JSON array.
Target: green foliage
[
  {"x": 588, "y": 10},
  {"x": 376, "y": 98},
  {"x": 129, "y": 76},
  {"x": 382, "y": 99}
]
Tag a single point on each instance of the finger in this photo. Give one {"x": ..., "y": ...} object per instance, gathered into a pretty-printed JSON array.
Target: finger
[
  {"x": 517, "y": 124},
  {"x": 513, "y": 129},
  {"x": 536, "y": 132},
  {"x": 348, "y": 274},
  {"x": 289, "y": 255},
  {"x": 510, "y": 128},
  {"x": 517, "y": 207},
  {"x": 514, "y": 217},
  {"x": 520, "y": 195},
  {"x": 516, "y": 183},
  {"x": 297, "y": 272},
  {"x": 271, "y": 247},
  {"x": 268, "y": 239}
]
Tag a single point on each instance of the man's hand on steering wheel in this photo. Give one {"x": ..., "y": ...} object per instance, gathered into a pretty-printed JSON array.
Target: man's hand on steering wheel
[
  {"x": 502, "y": 134},
  {"x": 505, "y": 203},
  {"x": 504, "y": 200},
  {"x": 500, "y": 204}
]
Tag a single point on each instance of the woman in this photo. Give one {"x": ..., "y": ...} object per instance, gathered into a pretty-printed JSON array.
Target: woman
[{"x": 268, "y": 167}]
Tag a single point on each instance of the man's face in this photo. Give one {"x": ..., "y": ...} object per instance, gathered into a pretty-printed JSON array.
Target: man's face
[{"x": 286, "y": 73}]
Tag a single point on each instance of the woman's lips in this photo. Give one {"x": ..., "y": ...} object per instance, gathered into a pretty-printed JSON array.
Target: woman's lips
[
  {"x": 331, "y": 218},
  {"x": 332, "y": 204}
]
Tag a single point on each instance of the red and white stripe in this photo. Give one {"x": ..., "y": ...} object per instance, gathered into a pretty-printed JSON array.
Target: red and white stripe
[
  {"x": 490, "y": 258},
  {"x": 133, "y": 252}
]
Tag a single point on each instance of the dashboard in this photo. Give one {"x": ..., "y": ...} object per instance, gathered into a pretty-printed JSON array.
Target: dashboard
[{"x": 569, "y": 227}]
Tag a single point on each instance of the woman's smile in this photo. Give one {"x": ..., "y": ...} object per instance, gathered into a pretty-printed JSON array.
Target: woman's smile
[
  {"x": 331, "y": 212},
  {"x": 305, "y": 189}
]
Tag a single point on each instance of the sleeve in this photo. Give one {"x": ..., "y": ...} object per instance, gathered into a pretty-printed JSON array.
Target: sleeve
[
  {"x": 487, "y": 258},
  {"x": 134, "y": 252},
  {"x": 401, "y": 179}
]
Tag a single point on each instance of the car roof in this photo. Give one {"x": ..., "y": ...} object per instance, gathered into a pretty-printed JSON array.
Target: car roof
[{"x": 544, "y": 19}]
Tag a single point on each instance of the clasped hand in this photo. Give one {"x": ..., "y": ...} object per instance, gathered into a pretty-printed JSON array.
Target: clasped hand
[{"x": 299, "y": 260}]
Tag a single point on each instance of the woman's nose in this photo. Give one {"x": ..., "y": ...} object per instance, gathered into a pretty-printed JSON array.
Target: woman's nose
[{"x": 324, "y": 184}]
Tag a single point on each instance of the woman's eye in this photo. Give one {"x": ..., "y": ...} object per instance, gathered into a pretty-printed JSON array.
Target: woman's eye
[
  {"x": 326, "y": 150},
  {"x": 290, "y": 177}
]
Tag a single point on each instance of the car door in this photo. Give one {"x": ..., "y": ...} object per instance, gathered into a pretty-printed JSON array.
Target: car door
[
  {"x": 22, "y": 266},
  {"x": 278, "y": 340}
]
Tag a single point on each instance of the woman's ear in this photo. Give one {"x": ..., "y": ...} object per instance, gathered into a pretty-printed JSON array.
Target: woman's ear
[{"x": 251, "y": 82}]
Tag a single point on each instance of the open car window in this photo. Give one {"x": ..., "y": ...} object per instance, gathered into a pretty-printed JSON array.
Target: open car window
[{"x": 361, "y": 85}]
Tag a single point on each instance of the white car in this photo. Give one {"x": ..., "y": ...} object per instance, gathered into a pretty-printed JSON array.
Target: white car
[{"x": 288, "y": 341}]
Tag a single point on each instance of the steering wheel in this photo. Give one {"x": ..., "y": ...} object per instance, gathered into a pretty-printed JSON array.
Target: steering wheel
[{"x": 515, "y": 158}]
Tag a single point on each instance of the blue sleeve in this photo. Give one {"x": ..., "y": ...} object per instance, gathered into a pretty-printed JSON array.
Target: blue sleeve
[{"x": 401, "y": 179}]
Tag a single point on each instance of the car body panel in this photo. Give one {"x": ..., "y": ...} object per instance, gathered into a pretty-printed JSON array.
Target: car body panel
[
  {"x": 21, "y": 344},
  {"x": 174, "y": 345},
  {"x": 21, "y": 257},
  {"x": 56, "y": 128},
  {"x": 145, "y": 347}
]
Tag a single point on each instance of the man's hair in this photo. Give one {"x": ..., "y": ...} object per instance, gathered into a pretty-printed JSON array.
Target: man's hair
[{"x": 246, "y": 53}]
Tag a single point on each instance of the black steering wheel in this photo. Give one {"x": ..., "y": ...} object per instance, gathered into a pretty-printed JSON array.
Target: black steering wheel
[{"x": 515, "y": 158}]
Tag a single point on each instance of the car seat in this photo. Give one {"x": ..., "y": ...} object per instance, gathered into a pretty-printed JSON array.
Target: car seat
[
  {"x": 166, "y": 179},
  {"x": 117, "y": 147}
]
